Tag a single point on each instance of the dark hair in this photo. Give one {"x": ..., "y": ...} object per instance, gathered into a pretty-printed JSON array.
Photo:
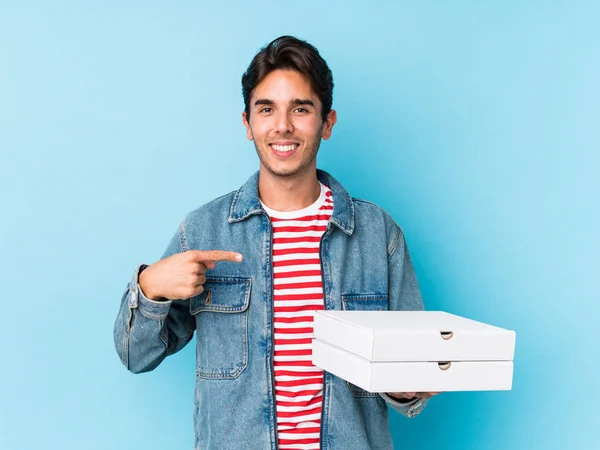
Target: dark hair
[{"x": 288, "y": 52}]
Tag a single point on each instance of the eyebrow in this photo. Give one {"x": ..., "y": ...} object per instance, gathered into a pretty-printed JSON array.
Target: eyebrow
[{"x": 295, "y": 102}]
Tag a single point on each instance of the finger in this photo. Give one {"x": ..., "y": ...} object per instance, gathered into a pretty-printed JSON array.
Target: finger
[
  {"x": 217, "y": 255},
  {"x": 403, "y": 394},
  {"x": 426, "y": 395},
  {"x": 201, "y": 280},
  {"x": 200, "y": 268},
  {"x": 198, "y": 289},
  {"x": 208, "y": 265},
  {"x": 220, "y": 255}
]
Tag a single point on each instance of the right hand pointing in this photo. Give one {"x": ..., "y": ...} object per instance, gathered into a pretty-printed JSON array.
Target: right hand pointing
[{"x": 182, "y": 275}]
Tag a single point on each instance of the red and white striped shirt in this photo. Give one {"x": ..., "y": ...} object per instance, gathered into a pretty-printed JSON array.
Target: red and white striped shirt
[{"x": 298, "y": 291}]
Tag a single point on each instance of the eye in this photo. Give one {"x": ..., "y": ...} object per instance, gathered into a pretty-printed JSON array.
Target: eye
[
  {"x": 265, "y": 110},
  {"x": 301, "y": 110}
]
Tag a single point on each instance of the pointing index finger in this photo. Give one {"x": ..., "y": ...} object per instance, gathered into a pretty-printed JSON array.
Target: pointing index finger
[{"x": 219, "y": 255}]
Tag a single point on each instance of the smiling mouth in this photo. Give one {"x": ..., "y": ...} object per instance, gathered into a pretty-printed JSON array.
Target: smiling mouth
[{"x": 284, "y": 148}]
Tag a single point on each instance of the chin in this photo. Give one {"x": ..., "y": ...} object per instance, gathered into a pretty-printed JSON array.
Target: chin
[
  {"x": 276, "y": 169},
  {"x": 283, "y": 173}
]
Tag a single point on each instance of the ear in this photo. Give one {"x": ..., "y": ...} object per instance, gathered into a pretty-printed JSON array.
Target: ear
[
  {"x": 328, "y": 124},
  {"x": 247, "y": 125}
]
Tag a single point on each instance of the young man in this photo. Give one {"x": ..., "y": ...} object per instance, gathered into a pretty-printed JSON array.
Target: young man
[{"x": 247, "y": 270}]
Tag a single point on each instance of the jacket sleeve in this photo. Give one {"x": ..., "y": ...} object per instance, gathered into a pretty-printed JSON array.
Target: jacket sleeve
[
  {"x": 403, "y": 295},
  {"x": 147, "y": 331}
]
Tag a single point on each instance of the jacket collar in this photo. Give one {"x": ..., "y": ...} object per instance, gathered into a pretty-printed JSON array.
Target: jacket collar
[{"x": 246, "y": 202}]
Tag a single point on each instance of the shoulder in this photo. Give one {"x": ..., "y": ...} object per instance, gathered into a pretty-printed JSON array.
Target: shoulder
[
  {"x": 215, "y": 209},
  {"x": 373, "y": 217},
  {"x": 369, "y": 209}
]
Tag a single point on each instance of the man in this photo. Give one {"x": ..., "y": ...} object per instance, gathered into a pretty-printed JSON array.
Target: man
[{"x": 247, "y": 270}]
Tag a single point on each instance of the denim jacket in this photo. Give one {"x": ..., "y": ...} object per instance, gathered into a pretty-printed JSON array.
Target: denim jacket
[{"x": 365, "y": 266}]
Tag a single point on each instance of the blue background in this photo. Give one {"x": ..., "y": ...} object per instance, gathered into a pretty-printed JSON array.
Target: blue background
[{"x": 475, "y": 124}]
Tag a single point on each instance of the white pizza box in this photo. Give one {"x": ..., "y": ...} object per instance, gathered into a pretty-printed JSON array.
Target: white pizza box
[
  {"x": 417, "y": 336},
  {"x": 413, "y": 376}
]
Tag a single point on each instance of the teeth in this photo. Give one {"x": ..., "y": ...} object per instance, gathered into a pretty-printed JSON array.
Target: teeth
[{"x": 284, "y": 148}]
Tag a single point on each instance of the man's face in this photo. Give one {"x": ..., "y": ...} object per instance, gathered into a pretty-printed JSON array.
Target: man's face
[{"x": 285, "y": 123}]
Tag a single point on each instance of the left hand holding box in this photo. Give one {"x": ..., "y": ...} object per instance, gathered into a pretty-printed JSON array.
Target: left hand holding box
[{"x": 411, "y": 395}]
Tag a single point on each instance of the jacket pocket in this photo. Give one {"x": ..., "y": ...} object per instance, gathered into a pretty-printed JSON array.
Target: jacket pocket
[
  {"x": 364, "y": 302},
  {"x": 221, "y": 313}
]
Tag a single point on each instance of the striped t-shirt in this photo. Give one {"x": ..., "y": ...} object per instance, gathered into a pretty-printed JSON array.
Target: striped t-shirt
[{"x": 298, "y": 291}]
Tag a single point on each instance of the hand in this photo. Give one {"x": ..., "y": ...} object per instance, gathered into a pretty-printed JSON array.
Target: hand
[
  {"x": 411, "y": 395},
  {"x": 182, "y": 275}
]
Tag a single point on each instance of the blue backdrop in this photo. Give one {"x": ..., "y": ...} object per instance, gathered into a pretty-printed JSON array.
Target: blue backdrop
[{"x": 475, "y": 124}]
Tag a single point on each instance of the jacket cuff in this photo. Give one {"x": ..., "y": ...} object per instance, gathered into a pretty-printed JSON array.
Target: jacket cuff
[
  {"x": 408, "y": 409},
  {"x": 149, "y": 308}
]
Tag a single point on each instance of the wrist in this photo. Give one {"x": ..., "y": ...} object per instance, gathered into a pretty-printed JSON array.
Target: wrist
[{"x": 146, "y": 286}]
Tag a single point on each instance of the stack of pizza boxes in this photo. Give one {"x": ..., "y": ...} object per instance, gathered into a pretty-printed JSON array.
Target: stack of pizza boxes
[{"x": 413, "y": 351}]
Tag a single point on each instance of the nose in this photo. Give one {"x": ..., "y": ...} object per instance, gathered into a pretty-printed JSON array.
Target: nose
[{"x": 284, "y": 124}]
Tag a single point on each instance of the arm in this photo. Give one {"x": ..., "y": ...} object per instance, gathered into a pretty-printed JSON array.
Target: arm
[
  {"x": 146, "y": 331},
  {"x": 404, "y": 295}
]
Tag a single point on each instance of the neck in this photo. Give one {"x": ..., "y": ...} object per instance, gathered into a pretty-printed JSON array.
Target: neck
[{"x": 288, "y": 193}]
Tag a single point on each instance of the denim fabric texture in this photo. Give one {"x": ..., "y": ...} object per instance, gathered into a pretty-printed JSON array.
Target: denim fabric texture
[{"x": 365, "y": 266}]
